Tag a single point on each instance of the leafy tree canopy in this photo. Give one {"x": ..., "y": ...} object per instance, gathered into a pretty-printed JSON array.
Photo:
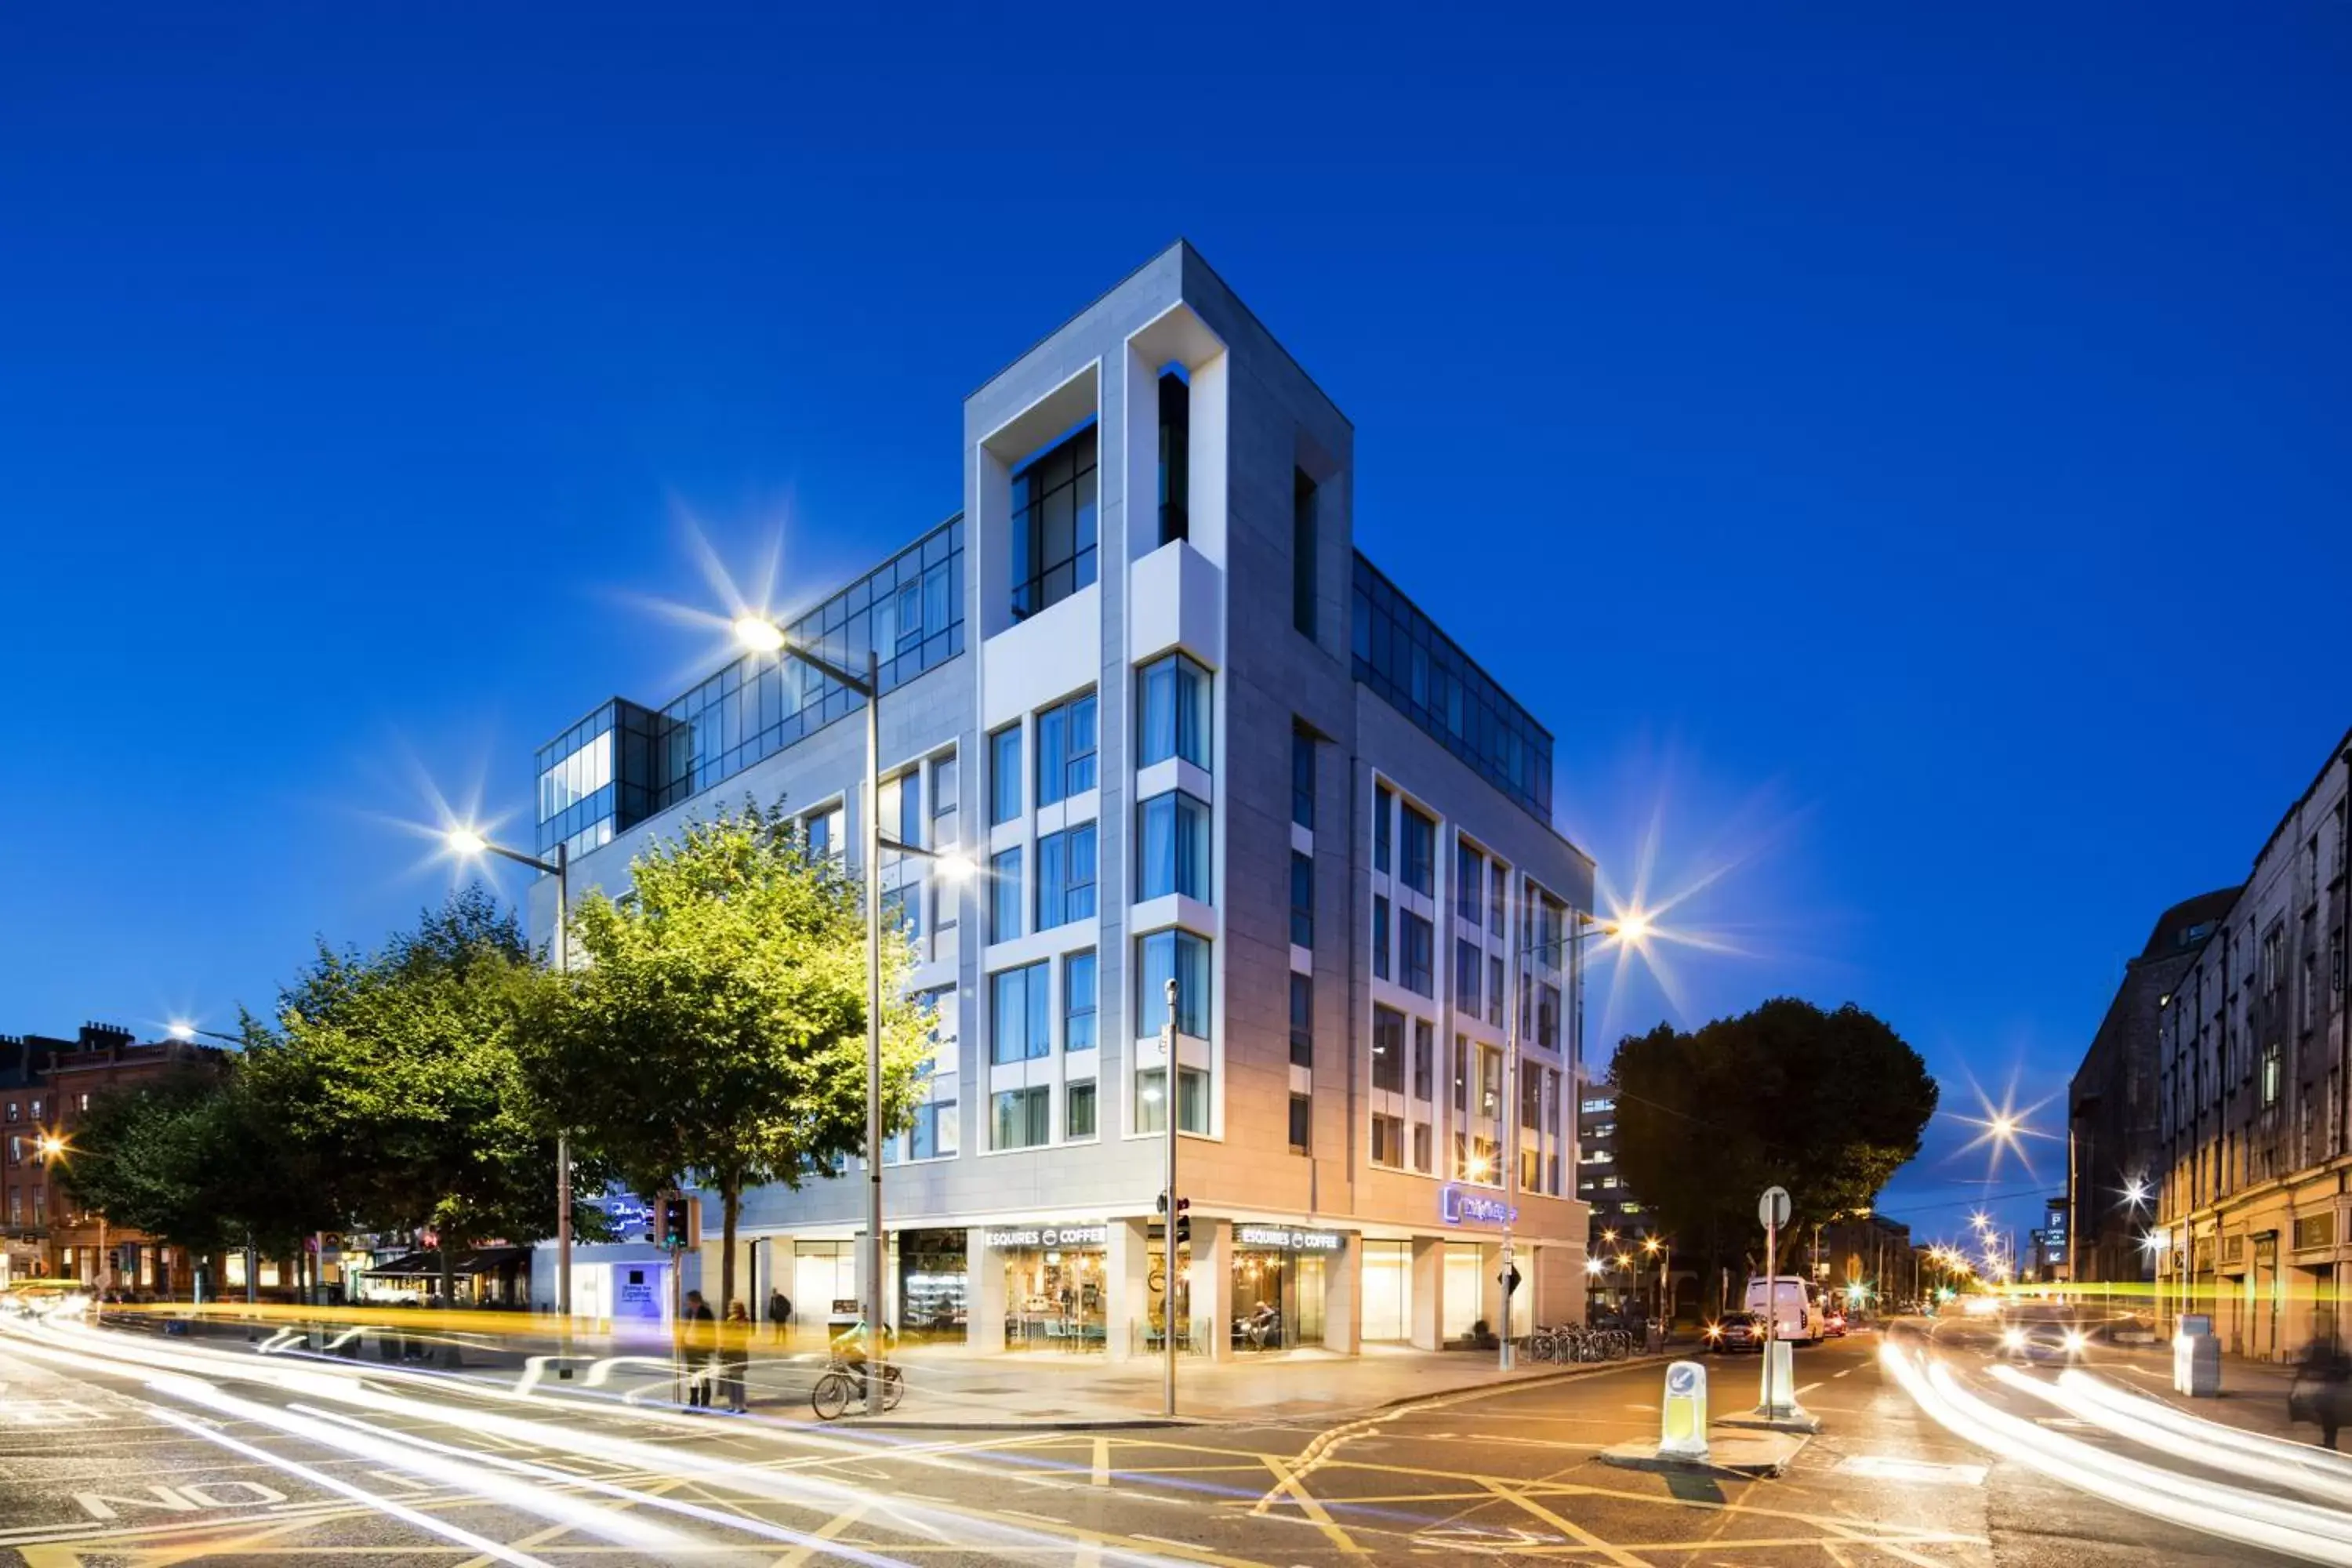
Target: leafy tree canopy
[
  {"x": 719, "y": 1029},
  {"x": 396, "y": 1079},
  {"x": 1826, "y": 1104}
]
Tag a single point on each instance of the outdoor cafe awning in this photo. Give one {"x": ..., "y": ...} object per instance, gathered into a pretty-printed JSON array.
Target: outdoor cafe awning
[{"x": 472, "y": 1262}]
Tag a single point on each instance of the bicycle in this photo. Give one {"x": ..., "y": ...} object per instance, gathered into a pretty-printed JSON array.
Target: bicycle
[{"x": 837, "y": 1384}]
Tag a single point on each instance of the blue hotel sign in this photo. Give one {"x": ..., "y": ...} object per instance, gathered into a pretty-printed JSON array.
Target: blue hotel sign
[{"x": 1456, "y": 1207}]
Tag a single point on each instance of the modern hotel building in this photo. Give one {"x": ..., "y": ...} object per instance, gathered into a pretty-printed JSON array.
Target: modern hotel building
[{"x": 1144, "y": 680}]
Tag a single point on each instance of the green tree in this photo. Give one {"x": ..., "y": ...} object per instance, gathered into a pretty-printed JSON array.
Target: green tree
[
  {"x": 1826, "y": 1104},
  {"x": 718, "y": 1032},
  {"x": 398, "y": 1081},
  {"x": 185, "y": 1157}
]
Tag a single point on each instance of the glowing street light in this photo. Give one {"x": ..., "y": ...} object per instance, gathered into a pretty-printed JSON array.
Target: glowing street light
[
  {"x": 2136, "y": 1192},
  {"x": 760, "y": 636},
  {"x": 1593, "y": 1266}
]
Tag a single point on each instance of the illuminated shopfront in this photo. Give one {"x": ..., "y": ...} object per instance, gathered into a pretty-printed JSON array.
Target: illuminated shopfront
[
  {"x": 1281, "y": 1281},
  {"x": 1056, "y": 1295}
]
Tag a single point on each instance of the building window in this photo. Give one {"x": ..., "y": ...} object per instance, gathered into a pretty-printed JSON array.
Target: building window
[
  {"x": 1004, "y": 896},
  {"x": 1460, "y": 1075},
  {"x": 1414, "y": 667},
  {"x": 909, "y": 787},
  {"x": 1302, "y": 1123},
  {"x": 2274, "y": 946},
  {"x": 1302, "y": 901},
  {"x": 1388, "y": 1050},
  {"x": 901, "y": 912},
  {"x": 1171, "y": 717},
  {"x": 1066, "y": 750},
  {"x": 1175, "y": 456},
  {"x": 1380, "y": 936},
  {"x": 1302, "y": 1020},
  {"x": 1303, "y": 552},
  {"x": 2271, "y": 1075},
  {"x": 1079, "y": 1111},
  {"x": 1490, "y": 1082},
  {"x": 1469, "y": 883},
  {"x": 12, "y": 1110},
  {"x": 1078, "y": 1002},
  {"x": 1054, "y": 524},
  {"x": 1388, "y": 1140},
  {"x": 943, "y": 803},
  {"x": 1151, "y": 1100},
  {"x": 1421, "y": 1147},
  {"x": 1065, "y": 877},
  {"x": 934, "y": 1133},
  {"x": 1192, "y": 1099},
  {"x": 1302, "y": 779},
  {"x": 1469, "y": 965},
  {"x": 1424, "y": 1059},
  {"x": 1019, "y": 1008},
  {"x": 1416, "y": 957},
  {"x": 1495, "y": 989},
  {"x": 1184, "y": 956},
  {"x": 1497, "y": 884},
  {"x": 1548, "y": 1017},
  {"x": 1023, "y": 1117},
  {"x": 1173, "y": 848},
  {"x": 1004, "y": 775},
  {"x": 1383, "y": 812},
  {"x": 821, "y": 832},
  {"x": 1420, "y": 846}
]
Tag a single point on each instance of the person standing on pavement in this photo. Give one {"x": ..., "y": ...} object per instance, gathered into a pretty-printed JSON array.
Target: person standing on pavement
[
  {"x": 700, "y": 1337},
  {"x": 780, "y": 1313},
  {"x": 734, "y": 1358},
  {"x": 2322, "y": 1390}
]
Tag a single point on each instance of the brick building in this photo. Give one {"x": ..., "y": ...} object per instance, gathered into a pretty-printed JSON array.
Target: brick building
[{"x": 46, "y": 1083}]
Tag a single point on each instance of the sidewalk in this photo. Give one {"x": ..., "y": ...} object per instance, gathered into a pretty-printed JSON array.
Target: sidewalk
[{"x": 954, "y": 1386}]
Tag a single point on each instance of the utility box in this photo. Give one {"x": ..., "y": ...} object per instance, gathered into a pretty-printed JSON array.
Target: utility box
[
  {"x": 1681, "y": 1419},
  {"x": 2197, "y": 1358}
]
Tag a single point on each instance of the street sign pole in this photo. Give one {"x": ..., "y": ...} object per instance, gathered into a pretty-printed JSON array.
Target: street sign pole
[{"x": 1773, "y": 1208}]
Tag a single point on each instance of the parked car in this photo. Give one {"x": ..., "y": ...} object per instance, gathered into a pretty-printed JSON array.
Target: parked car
[{"x": 1735, "y": 1331}]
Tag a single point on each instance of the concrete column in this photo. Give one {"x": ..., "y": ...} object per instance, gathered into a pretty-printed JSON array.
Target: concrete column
[
  {"x": 1127, "y": 1287},
  {"x": 1210, "y": 1273},
  {"x": 984, "y": 1294},
  {"x": 1343, "y": 1298},
  {"x": 1490, "y": 1289},
  {"x": 1427, "y": 1307}
]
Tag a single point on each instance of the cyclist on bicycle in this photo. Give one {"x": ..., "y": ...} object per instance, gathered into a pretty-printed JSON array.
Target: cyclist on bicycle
[{"x": 852, "y": 1348}]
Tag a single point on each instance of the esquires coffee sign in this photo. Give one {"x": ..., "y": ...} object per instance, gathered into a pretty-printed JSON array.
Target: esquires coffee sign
[
  {"x": 1282, "y": 1237},
  {"x": 1015, "y": 1236}
]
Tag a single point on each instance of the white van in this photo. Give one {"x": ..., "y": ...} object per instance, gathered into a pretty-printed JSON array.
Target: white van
[{"x": 1796, "y": 1308}]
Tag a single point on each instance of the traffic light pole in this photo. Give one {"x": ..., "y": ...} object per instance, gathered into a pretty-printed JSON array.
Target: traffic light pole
[
  {"x": 1168, "y": 1174},
  {"x": 877, "y": 1243}
]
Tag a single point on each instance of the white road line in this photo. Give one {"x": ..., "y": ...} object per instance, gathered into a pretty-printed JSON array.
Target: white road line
[
  {"x": 1800, "y": 1392},
  {"x": 424, "y": 1521},
  {"x": 1847, "y": 1372}
]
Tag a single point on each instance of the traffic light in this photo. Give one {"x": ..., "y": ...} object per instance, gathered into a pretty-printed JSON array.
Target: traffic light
[
  {"x": 676, "y": 1222},
  {"x": 1184, "y": 1221}
]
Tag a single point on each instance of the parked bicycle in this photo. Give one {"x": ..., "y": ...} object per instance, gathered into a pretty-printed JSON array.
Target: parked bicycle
[{"x": 838, "y": 1385}]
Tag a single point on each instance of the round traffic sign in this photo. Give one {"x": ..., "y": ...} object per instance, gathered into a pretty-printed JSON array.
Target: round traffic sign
[{"x": 1773, "y": 1208}]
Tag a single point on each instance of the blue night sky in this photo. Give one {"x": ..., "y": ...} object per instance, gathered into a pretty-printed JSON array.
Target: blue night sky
[{"x": 1902, "y": 458}]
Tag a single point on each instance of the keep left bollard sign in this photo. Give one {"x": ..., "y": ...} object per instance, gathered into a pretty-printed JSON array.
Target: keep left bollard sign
[{"x": 1681, "y": 1419}]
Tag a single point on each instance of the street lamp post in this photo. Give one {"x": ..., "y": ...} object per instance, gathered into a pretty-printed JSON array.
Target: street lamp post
[
  {"x": 1587, "y": 927},
  {"x": 466, "y": 841},
  {"x": 758, "y": 634}
]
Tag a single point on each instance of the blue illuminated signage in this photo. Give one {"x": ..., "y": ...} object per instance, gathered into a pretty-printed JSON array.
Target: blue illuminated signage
[{"x": 1457, "y": 1207}]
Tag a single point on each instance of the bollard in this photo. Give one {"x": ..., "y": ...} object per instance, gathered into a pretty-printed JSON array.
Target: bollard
[
  {"x": 1682, "y": 1415},
  {"x": 1779, "y": 1396}
]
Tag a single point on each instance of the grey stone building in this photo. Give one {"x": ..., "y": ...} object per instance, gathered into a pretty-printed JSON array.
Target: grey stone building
[
  {"x": 2256, "y": 1218},
  {"x": 2114, "y": 1157},
  {"x": 1145, "y": 679}
]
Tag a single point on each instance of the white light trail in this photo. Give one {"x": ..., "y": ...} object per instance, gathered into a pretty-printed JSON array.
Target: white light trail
[
  {"x": 2293, "y": 1530},
  {"x": 319, "y": 1479},
  {"x": 2322, "y": 1472}
]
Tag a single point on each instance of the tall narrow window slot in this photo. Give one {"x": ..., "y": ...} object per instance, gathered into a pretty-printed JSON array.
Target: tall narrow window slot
[
  {"x": 1303, "y": 551},
  {"x": 1175, "y": 455}
]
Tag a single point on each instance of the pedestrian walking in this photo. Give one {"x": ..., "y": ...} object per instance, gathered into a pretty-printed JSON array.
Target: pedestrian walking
[
  {"x": 734, "y": 1358},
  {"x": 2322, "y": 1390},
  {"x": 780, "y": 1313},
  {"x": 700, "y": 1338}
]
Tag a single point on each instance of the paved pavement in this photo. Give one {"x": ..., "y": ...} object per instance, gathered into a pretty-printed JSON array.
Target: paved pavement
[{"x": 136, "y": 1451}]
